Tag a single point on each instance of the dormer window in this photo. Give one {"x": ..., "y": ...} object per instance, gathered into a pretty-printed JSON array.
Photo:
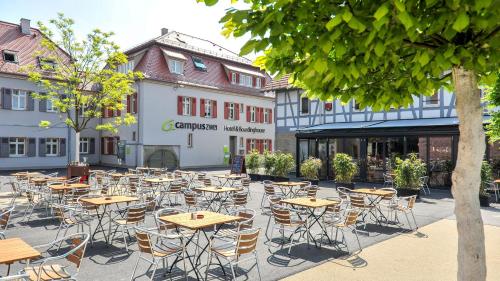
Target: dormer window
[
  {"x": 176, "y": 66},
  {"x": 258, "y": 83},
  {"x": 233, "y": 78},
  {"x": 246, "y": 80},
  {"x": 10, "y": 56},
  {"x": 47, "y": 63},
  {"x": 199, "y": 64}
]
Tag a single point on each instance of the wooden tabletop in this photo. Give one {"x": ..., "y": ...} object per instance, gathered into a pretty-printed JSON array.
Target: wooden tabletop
[
  {"x": 109, "y": 200},
  {"x": 229, "y": 176},
  {"x": 118, "y": 175},
  {"x": 215, "y": 189},
  {"x": 309, "y": 202},
  {"x": 56, "y": 187},
  {"x": 15, "y": 249},
  {"x": 289, "y": 183},
  {"x": 45, "y": 179},
  {"x": 26, "y": 174},
  {"x": 497, "y": 181},
  {"x": 371, "y": 191},
  {"x": 157, "y": 180},
  {"x": 209, "y": 220}
]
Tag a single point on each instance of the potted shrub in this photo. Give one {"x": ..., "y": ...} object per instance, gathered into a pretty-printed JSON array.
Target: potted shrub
[
  {"x": 283, "y": 164},
  {"x": 484, "y": 196},
  {"x": 269, "y": 160},
  {"x": 309, "y": 170},
  {"x": 344, "y": 169},
  {"x": 252, "y": 163},
  {"x": 408, "y": 175}
]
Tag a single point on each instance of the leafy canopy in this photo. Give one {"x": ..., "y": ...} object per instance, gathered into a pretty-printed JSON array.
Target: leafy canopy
[
  {"x": 378, "y": 52},
  {"x": 493, "y": 98},
  {"x": 80, "y": 76}
]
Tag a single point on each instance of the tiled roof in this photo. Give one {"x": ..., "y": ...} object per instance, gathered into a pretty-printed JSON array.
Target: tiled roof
[
  {"x": 279, "y": 84},
  {"x": 12, "y": 39},
  {"x": 154, "y": 66}
]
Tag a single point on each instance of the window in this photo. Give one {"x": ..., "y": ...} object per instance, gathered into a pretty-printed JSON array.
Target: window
[
  {"x": 51, "y": 147},
  {"x": 176, "y": 66},
  {"x": 253, "y": 114},
  {"x": 252, "y": 144},
  {"x": 190, "y": 140},
  {"x": 84, "y": 145},
  {"x": 266, "y": 144},
  {"x": 355, "y": 105},
  {"x": 432, "y": 100},
  {"x": 109, "y": 145},
  {"x": 231, "y": 113},
  {"x": 133, "y": 103},
  {"x": 186, "y": 106},
  {"x": 47, "y": 63},
  {"x": 241, "y": 108},
  {"x": 199, "y": 64},
  {"x": 19, "y": 100},
  {"x": 266, "y": 116},
  {"x": 133, "y": 136},
  {"x": 304, "y": 105},
  {"x": 208, "y": 108},
  {"x": 246, "y": 80},
  {"x": 258, "y": 83},
  {"x": 17, "y": 147},
  {"x": 233, "y": 78},
  {"x": 241, "y": 142},
  {"x": 10, "y": 56},
  {"x": 50, "y": 106}
]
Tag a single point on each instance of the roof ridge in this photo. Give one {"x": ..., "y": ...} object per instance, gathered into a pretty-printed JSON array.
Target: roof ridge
[{"x": 18, "y": 25}]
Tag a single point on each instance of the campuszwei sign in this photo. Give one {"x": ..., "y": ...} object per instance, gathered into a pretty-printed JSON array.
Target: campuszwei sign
[{"x": 171, "y": 125}]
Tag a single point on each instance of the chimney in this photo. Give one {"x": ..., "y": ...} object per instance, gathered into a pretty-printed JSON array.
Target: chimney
[
  {"x": 164, "y": 31},
  {"x": 25, "y": 26}
]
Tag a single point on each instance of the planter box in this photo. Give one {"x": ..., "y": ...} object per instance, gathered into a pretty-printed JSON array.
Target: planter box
[
  {"x": 313, "y": 182},
  {"x": 255, "y": 177},
  {"x": 266, "y": 177},
  {"x": 273, "y": 178},
  {"x": 349, "y": 185},
  {"x": 484, "y": 200},
  {"x": 408, "y": 192}
]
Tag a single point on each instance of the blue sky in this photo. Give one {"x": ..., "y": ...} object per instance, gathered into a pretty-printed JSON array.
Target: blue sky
[{"x": 133, "y": 21}]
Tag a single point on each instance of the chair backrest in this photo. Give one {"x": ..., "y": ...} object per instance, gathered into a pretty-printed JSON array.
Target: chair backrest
[
  {"x": 344, "y": 192},
  {"x": 281, "y": 214},
  {"x": 59, "y": 212},
  {"x": 136, "y": 213},
  {"x": 175, "y": 187},
  {"x": 312, "y": 190},
  {"x": 247, "y": 241},
  {"x": 351, "y": 217},
  {"x": 163, "y": 225},
  {"x": 77, "y": 243},
  {"x": 201, "y": 176},
  {"x": 5, "y": 217},
  {"x": 391, "y": 196},
  {"x": 240, "y": 198},
  {"x": 207, "y": 182},
  {"x": 75, "y": 194},
  {"x": 334, "y": 208},
  {"x": 248, "y": 215},
  {"x": 357, "y": 200},
  {"x": 410, "y": 201},
  {"x": 245, "y": 182},
  {"x": 87, "y": 206},
  {"x": 269, "y": 189},
  {"x": 274, "y": 200},
  {"x": 190, "y": 198},
  {"x": 387, "y": 178},
  {"x": 143, "y": 240}
]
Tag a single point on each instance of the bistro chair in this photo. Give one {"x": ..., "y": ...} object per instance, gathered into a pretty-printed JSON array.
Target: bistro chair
[
  {"x": 237, "y": 200},
  {"x": 133, "y": 185},
  {"x": 272, "y": 199},
  {"x": 69, "y": 217},
  {"x": 269, "y": 190},
  {"x": 286, "y": 221},
  {"x": 333, "y": 213},
  {"x": 494, "y": 188},
  {"x": 244, "y": 244},
  {"x": 5, "y": 215},
  {"x": 405, "y": 205},
  {"x": 194, "y": 201},
  {"x": 169, "y": 229},
  {"x": 358, "y": 202},
  {"x": 348, "y": 222},
  {"x": 389, "y": 201},
  {"x": 46, "y": 269},
  {"x": 174, "y": 190},
  {"x": 344, "y": 193},
  {"x": 154, "y": 253},
  {"x": 248, "y": 216},
  {"x": 35, "y": 199},
  {"x": 388, "y": 180},
  {"x": 134, "y": 215}
]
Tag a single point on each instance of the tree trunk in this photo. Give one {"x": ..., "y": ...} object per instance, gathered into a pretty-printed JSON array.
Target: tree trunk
[
  {"x": 77, "y": 147},
  {"x": 466, "y": 177}
]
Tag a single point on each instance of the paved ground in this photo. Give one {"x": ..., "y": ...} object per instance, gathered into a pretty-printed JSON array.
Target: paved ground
[{"x": 104, "y": 262}]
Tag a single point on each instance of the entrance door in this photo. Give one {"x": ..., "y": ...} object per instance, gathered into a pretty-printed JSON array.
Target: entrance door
[
  {"x": 232, "y": 146},
  {"x": 323, "y": 155}
]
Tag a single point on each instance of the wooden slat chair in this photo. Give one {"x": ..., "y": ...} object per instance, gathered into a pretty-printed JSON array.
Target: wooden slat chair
[
  {"x": 273, "y": 200},
  {"x": 47, "y": 269},
  {"x": 244, "y": 244},
  {"x": 207, "y": 182},
  {"x": 389, "y": 201},
  {"x": 70, "y": 216},
  {"x": 357, "y": 201},
  {"x": 87, "y": 208},
  {"x": 170, "y": 229},
  {"x": 232, "y": 231},
  {"x": 71, "y": 197},
  {"x": 193, "y": 201},
  {"x": 133, "y": 185},
  {"x": 344, "y": 194},
  {"x": 333, "y": 213},
  {"x": 134, "y": 215},
  {"x": 238, "y": 200},
  {"x": 348, "y": 222},
  {"x": 175, "y": 189},
  {"x": 285, "y": 221},
  {"x": 5, "y": 215},
  {"x": 388, "y": 180},
  {"x": 405, "y": 205},
  {"x": 269, "y": 190},
  {"x": 425, "y": 184},
  {"x": 157, "y": 252},
  {"x": 34, "y": 200}
]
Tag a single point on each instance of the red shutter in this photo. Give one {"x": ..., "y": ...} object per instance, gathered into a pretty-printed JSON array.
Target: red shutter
[
  {"x": 261, "y": 115},
  {"x": 270, "y": 116},
  {"x": 270, "y": 145},
  {"x": 226, "y": 110},
  {"x": 109, "y": 112},
  {"x": 248, "y": 146},
  {"x": 257, "y": 115},
  {"x": 237, "y": 111},
  {"x": 179, "y": 105},
  {"x": 261, "y": 146},
  {"x": 193, "y": 106},
  {"x": 102, "y": 145},
  {"x": 109, "y": 146},
  {"x": 230, "y": 76},
  {"x": 202, "y": 107},
  {"x": 248, "y": 113},
  {"x": 262, "y": 82},
  {"x": 237, "y": 78},
  {"x": 136, "y": 101},
  {"x": 254, "y": 81},
  {"x": 128, "y": 104},
  {"x": 118, "y": 112},
  {"x": 214, "y": 109}
]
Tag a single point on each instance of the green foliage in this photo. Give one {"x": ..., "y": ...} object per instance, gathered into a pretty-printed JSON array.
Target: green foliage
[
  {"x": 486, "y": 177},
  {"x": 344, "y": 168},
  {"x": 309, "y": 169},
  {"x": 283, "y": 164},
  {"x": 378, "y": 52},
  {"x": 269, "y": 160},
  {"x": 252, "y": 161},
  {"x": 83, "y": 81},
  {"x": 409, "y": 172},
  {"x": 493, "y": 98}
]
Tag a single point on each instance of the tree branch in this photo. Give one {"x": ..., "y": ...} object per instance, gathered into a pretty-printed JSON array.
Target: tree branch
[{"x": 421, "y": 44}]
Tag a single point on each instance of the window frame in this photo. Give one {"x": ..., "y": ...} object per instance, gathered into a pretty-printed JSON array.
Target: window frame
[
  {"x": 266, "y": 116},
  {"x": 356, "y": 106},
  {"x": 253, "y": 144},
  {"x": 173, "y": 64},
  {"x": 43, "y": 61},
  {"x": 233, "y": 78},
  {"x": 49, "y": 106},
  {"x": 198, "y": 60},
  {"x": 16, "y": 95},
  {"x": 190, "y": 140},
  {"x": 266, "y": 145},
  {"x": 17, "y": 142},
  {"x": 304, "y": 111},
  {"x": 14, "y": 54},
  {"x": 253, "y": 114},
  {"x": 51, "y": 147},
  {"x": 208, "y": 109},
  {"x": 186, "y": 106},
  {"x": 258, "y": 83},
  {"x": 231, "y": 114},
  {"x": 246, "y": 80},
  {"x": 428, "y": 100},
  {"x": 84, "y": 141}
]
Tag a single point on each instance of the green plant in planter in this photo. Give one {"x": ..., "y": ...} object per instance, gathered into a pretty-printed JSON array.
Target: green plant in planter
[
  {"x": 409, "y": 172},
  {"x": 269, "y": 160},
  {"x": 344, "y": 168},
  {"x": 486, "y": 178},
  {"x": 309, "y": 169},
  {"x": 284, "y": 163},
  {"x": 252, "y": 161}
]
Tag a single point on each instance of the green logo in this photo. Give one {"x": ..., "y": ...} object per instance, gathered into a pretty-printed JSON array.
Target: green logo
[{"x": 168, "y": 126}]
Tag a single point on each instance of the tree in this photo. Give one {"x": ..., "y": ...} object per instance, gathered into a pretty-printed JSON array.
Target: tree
[
  {"x": 80, "y": 77},
  {"x": 493, "y": 99},
  {"x": 381, "y": 53}
]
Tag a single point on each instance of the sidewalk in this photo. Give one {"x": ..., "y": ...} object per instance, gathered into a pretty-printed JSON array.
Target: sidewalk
[{"x": 426, "y": 255}]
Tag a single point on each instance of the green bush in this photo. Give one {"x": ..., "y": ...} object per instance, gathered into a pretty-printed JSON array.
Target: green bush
[
  {"x": 486, "y": 178},
  {"x": 269, "y": 160},
  {"x": 344, "y": 168},
  {"x": 309, "y": 169},
  {"x": 284, "y": 163},
  {"x": 409, "y": 172},
  {"x": 252, "y": 161}
]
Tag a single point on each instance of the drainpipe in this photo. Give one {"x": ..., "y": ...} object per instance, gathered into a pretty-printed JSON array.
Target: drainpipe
[{"x": 139, "y": 94}]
